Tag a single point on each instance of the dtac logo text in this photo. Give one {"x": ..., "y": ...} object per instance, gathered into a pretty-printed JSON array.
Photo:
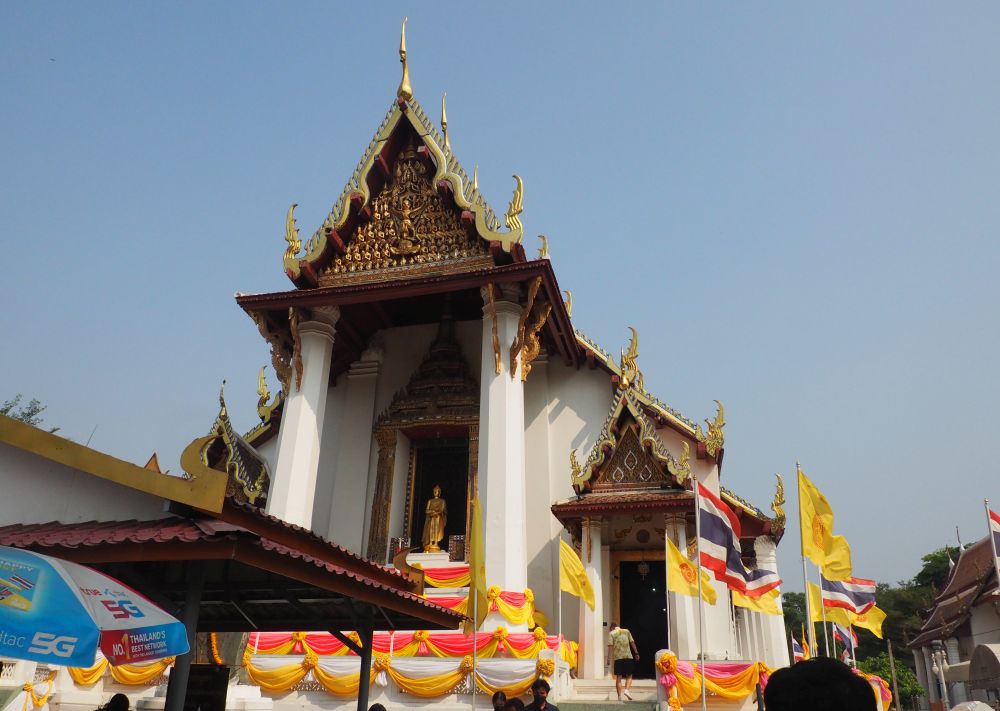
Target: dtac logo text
[
  {"x": 122, "y": 609},
  {"x": 45, "y": 643}
]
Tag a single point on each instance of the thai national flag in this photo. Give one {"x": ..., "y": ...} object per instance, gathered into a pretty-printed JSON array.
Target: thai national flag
[
  {"x": 995, "y": 530},
  {"x": 797, "y": 654},
  {"x": 854, "y": 594},
  {"x": 848, "y": 638},
  {"x": 720, "y": 548}
]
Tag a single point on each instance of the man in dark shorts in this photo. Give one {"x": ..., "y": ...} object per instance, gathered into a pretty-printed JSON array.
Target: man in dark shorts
[{"x": 623, "y": 652}]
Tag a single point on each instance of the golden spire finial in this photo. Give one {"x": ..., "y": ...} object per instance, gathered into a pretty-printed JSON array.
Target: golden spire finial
[
  {"x": 405, "y": 91},
  {"x": 475, "y": 178},
  {"x": 630, "y": 373},
  {"x": 569, "y": 302},
  {"x": 444, "y": 120}
]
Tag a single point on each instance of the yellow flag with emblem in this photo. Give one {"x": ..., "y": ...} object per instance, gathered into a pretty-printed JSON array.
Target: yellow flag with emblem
[
  {"x": 831, "y": 553},
  {"x": 871, "y": 620},
  {"x": 768, "y": 603},
  {"x": 477, "y": 571},
  {"x": 573, "y": 577},
  {"x": 681, "y": 576}
]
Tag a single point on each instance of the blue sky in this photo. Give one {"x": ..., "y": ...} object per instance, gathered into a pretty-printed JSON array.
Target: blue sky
[{"x": 793, "y": 203}]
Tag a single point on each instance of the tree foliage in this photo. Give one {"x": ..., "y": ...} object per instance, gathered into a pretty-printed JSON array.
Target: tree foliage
[
  {"x": 906, "y": 680},
  {"x": 30, "y": 413}
]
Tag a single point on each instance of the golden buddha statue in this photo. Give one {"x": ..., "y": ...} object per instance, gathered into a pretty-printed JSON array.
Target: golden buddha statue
[{"x": 435, "y": 522}]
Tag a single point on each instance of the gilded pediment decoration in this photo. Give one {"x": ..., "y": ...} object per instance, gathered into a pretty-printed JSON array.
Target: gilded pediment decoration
[
  {"x": 411, "y": 228},
  {"x": 629, "y": 454},
  {"x": 281, "y": 348}
]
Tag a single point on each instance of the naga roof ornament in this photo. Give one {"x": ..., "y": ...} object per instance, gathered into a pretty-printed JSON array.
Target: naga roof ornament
[
  {"x": 444, "y": 121},
  {"x": 777, "y": 503},
  {"x": 630, "y": 373},
  {"x": 303, "y": 262},
  {"x": 715, "y": 440}
]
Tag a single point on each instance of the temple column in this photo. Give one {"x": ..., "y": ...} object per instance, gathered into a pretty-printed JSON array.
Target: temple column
[
  {"x": 918, "y": 664},
  {"x": 933, "y": 693},
  {"x": 957, "y": 692},
  {"x": 501, "y": 445},
  {"x": 592, "y": 644},
  {"x": 349, "y": 502},
  {"x": 683, "y": 610},
  {"x": 294, "y": 484},
  {"x": 772, "y": 626}
]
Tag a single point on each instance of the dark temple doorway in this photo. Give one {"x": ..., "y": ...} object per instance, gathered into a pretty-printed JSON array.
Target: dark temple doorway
[
  {"x": 445, "y": 464},
  {"x": 643, "y": 605}
]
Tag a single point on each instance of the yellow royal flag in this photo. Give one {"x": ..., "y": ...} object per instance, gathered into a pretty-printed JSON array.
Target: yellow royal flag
[
  {"x": 681, "y": 576},
  {"x": 831, "y": 553},
  {"x": 477, "y": 570},
  {"x": 806, "y": 652},
  {"x": 871, "y": 621},
  {"x": 766, "y": 603},
  {"x": 572, "y": 576}
]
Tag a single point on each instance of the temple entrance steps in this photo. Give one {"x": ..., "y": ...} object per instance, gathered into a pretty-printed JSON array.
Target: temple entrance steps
[
  {"x": 591, "y": 692},
  {"x": 608, "y": 705}
]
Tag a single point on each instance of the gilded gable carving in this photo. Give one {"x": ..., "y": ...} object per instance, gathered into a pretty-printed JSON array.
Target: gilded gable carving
[
  {"x": 411, "y": 228},
  {"x": 631, "y": 467}
]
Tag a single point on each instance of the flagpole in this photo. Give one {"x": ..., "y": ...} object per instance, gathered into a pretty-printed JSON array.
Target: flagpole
[
  {"x": 892, "y": 671},
  {"x": 854, "y": 646},
  {"x": 805, "y": 575},
  {"x": 822, "y": 609},
  {"x": 701, "y": 601},
  {"x": 475, "y": 634},
  {"x": 989, "y": 532}
]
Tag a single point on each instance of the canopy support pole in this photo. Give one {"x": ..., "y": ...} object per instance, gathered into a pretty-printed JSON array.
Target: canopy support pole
[
  {"x": 179, "y": 675},
  {"x": 365, "y": 633}
]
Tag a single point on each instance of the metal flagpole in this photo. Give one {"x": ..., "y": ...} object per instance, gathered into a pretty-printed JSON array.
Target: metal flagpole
[
  {"x": 475, "y": 634},
  {"x": 805, "y": 575},
  {"x": 822, "y": 609},
  {"x": 854, "y": 647},
  {"x": 701, "y": 601}
]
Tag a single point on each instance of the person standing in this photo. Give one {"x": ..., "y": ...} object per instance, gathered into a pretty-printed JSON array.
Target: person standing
[
  {"x": 623, "y": 652},
  {"x": 540, "y": 695}
]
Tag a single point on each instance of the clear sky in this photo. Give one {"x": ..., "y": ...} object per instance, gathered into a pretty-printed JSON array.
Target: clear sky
[{"x": 795, "y": 204}]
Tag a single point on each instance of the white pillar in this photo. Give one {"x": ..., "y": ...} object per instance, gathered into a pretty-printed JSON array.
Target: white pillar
[
  {"x": 501, "y": 451},
  {"x": 932, "y": 680},
  {"x": 957, "y": 692},
  {"x": 592, "y": 644},
  {"x": 918, "y": 663},
  {"x": 350, "y": 484},
  {"x": 294, "y": 485},
  {"x": 683, "y": 609},
  {"x": 772, "y": 626}
]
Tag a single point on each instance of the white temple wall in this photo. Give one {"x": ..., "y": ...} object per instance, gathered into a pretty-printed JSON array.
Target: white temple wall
[
  {"x": 269, "y": 450},
  {"x": 543, "y": 570},
  {"x": 28, "y": 480},
  {"x": 983, "y": 625}
]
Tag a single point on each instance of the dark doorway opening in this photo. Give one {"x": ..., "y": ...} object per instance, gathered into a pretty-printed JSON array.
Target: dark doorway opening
[
  {"x": 444, "y": 464},
  {"x": 642, "y": 599}
]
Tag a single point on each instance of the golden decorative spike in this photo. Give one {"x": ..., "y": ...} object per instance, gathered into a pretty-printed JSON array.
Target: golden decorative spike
[
  {"x": 776, "y": 504},
  {"x": 684, "y": 465},
  {"x": 444, "y": 120},
  {"x": 292, "y": 234},
  {"x": 715, "y": 440},
  {"x": 543, "y": 251},
  {"x": 263, "y": 394},
  {"x": 629, "y": 370},
  {"x": 516, "y": 206},
  {"x": 569, "y": 302},
  {"x": 475, "y": 178},
  {"x": 405, "y": 91}
]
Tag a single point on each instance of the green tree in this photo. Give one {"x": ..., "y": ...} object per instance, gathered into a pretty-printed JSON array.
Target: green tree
[
  {"x": 906, "y": 680},
  {"x": 30, "y": 414},
  {"x": 937, "y": 567}
]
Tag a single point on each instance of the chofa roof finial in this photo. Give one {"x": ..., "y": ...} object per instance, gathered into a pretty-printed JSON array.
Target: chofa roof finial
[
  {"x": 405, "y": 91},
  {"x": 444, "y": 120}
]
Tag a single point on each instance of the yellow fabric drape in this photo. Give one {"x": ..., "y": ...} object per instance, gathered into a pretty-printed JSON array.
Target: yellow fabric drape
[
  {"x": 732, "y": 688},
  {"x": 431, "y": 686},
  {"x": 36, "y": 700},
  {"x": 282, "y": 678},
  {"x": 544, "y": 667},
  {"x": 514, "y": 615},
  {"x": 126, "y": 674},
  {"x": 344, "y": 685}
]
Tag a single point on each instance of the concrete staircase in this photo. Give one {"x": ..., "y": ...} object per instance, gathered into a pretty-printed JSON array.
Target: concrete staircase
[{"x": 599, "y": 695}]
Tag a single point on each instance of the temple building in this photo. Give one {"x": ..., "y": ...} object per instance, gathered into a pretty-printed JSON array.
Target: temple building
[{"x": 426, "y": 358}]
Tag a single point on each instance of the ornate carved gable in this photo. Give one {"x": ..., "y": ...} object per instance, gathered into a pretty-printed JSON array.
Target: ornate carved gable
[
  {"x": 629, "y": 454},
  {"x": 412, "y": 231},
  {"x": 442, "y": 388}
]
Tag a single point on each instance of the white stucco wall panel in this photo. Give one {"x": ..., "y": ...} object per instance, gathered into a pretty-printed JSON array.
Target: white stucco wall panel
[{"x": 38, "y": 490}]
